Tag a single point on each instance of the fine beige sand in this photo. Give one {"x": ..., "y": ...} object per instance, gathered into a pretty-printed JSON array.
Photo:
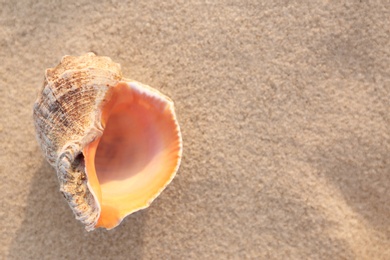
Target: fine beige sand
[{"x": 285, "y": 116}]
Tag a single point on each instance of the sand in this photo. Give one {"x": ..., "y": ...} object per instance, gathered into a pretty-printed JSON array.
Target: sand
[{"x": 285, "y": 116}]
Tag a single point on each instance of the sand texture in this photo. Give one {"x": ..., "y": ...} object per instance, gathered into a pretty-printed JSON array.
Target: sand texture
[{"x": 285, "y": 114}]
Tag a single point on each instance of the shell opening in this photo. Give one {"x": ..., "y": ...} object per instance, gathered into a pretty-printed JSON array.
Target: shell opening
[{"x": 137, "y": 155}]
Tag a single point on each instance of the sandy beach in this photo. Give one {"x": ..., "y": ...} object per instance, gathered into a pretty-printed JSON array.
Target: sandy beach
[{"x": 284, "y": 110}]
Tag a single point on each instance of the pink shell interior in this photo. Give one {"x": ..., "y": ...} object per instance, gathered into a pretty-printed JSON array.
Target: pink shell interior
[{"x": 137, "y": 155}]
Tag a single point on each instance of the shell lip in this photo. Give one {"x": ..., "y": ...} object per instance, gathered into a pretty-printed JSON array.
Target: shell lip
[
  {"x": 134, "y": 84},
  {"x": 142, "y": 89}
]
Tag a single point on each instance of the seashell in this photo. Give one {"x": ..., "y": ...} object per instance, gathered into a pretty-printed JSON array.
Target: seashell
[{"x": 115, "y": 143}]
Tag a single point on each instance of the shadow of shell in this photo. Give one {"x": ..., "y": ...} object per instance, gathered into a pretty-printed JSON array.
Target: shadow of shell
[{"x": 49, "y": 230}]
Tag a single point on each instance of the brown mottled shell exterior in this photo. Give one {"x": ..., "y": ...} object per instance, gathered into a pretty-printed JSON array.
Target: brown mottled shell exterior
[{"x": 67, "y": 106}]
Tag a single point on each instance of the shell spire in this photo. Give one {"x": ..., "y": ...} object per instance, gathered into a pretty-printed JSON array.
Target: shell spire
[{"x": 114, "y": 143}]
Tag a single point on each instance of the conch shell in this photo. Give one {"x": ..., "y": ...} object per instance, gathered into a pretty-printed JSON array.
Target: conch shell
[{"x": 115, "y": 143}]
